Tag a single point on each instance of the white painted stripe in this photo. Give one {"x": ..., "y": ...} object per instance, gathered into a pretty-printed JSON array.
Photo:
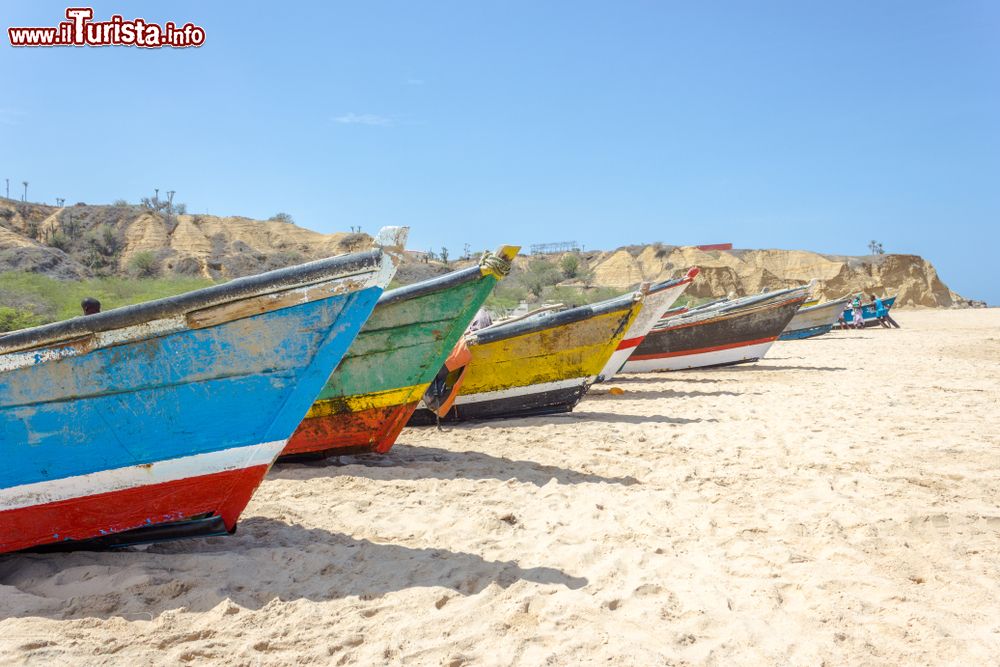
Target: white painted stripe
[
  {"x": 653, "y": 307},
  {"x": 465, "y": 399},
  {"x": 160, "y": 472},
  {"x": 614, "y": 363},
  {"x": 698, "y": 360}
]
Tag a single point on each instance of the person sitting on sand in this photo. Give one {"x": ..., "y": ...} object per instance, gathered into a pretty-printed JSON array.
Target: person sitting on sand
[
  {"x": 882, "y": 314},
  {"x": 91, "y": 306}
]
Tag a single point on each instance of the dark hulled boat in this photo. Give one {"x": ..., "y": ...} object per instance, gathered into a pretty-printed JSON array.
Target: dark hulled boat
[{"x": 729, "y": 334}]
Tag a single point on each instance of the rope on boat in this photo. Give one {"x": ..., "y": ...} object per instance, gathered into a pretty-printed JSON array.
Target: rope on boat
[{"x": 496, "y": 264}]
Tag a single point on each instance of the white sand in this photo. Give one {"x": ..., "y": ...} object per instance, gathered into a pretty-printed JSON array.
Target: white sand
[{"x": 837, "y": 504}]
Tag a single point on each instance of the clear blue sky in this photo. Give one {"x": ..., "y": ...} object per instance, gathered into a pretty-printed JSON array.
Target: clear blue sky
[{"x": 814, "y": 125}]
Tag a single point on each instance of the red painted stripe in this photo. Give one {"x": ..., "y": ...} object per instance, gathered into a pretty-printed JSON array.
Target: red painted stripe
[
  {"x": 715, "y": 348},
  {"x": 630, "y": 342},
  {"x": 225, "y": 494}
]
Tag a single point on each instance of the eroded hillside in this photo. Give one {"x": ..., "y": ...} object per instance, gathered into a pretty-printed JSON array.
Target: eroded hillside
[
  {"x": 911, "y": 278},
  {"x": 84, "y": 241}
]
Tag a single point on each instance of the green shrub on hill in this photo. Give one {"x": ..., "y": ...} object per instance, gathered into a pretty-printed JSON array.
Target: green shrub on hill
[
  {"x": 12, "y": 319},
  {"x": 143, "y": 264},
  {"x": 40, "y": 299}
]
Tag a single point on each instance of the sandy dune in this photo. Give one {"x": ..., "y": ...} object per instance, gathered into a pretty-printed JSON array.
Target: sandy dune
[{"x": 836, "y": 504}]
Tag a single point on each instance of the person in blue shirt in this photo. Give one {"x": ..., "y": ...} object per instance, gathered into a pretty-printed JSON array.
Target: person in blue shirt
[{"x": 882, "y": 314}]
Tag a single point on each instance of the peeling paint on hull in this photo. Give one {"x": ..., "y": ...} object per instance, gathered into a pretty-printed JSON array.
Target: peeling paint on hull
[
  {"x": 538, "y": 366},
  {"x": 372, "y": 430},
  {"x": 713, "y": 339},
  {"x": 223, "y": 494},
  {"x": 180, "y": 423},
  {"x": 372, "y": 393}
]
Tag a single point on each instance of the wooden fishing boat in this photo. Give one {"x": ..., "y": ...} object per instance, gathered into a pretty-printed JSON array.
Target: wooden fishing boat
[
  {"x": 867, "y": 312},
  {"x": 658, "y": 300},
  {"x": 812, "y": 321},
  {"x": 159, "y": 420},
  {"x": 539, "y": 365},
  {"x": 372, "y": 393},
  {"x": 728, "y": 334}
]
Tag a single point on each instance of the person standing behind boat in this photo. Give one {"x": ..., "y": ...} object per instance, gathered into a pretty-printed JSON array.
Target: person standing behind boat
[
  {"x": 882, "y": 314},
  {"x": 90, "y": 305},
  {"x": 859, "y": 316},
  {"x": 480, "y": 321}
]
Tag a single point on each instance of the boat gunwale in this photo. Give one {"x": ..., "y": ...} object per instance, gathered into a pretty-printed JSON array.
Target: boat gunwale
[
  {"x": 688, "y": 277},
  {"x": 762, "y": 298},
  {"x": 726, "y": 306},
  {"x": 503, "y": 331},
  {"x": 238, "y": 289},
  {"x": 825, "y": 304},
  {"x": 725, "y": 315},
  {"x": 430, "y": 286}
]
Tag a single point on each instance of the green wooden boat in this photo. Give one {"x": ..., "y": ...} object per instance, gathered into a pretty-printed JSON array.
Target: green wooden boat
[{"x": 377, "y": 386}]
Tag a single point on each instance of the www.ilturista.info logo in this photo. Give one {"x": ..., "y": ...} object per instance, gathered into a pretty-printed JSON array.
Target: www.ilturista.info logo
[{"x": 80, "y": 30}]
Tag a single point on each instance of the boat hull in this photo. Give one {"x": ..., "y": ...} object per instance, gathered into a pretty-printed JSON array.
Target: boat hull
[
  {"x": 538, "y": 367},
  {"x": 167, "y": 420},
  {"x": 809, "y": 332},
  {"x": 531, "y": 401},
  {"x": 868, "y": 312},
  {"x": 710, "y": 358},
  {"x": 813, "y": 321},
  {"x": 734, "y": 337},
  {"x": 373, "y": 392},
  {"x": 83, "y": 511}
]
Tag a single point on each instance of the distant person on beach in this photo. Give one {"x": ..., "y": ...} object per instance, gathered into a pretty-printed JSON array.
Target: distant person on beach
[
  {"x": 882, "y": 314},
  {"x": 859, "y": 316},
  {"x": 480, "y": 321},
  {"x": 91, "y": 306}
]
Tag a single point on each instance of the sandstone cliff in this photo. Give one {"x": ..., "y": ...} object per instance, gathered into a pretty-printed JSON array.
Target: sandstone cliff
[
  {"x": 911, "y": 278},
  {"x": 81, "y": 241}
]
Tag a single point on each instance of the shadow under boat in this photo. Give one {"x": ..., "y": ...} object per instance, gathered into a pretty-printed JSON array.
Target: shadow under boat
[
  {"x": 770, "y": 368},
  {"x": 282, "y": 561},
  {"x": 420, "y": 462},
  {"x": 647, "y": 394}
]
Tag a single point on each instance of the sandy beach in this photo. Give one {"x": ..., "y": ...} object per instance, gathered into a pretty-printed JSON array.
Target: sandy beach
[{"x": 838, "y": 503}]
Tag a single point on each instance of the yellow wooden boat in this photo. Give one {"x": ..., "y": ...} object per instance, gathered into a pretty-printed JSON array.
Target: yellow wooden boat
[{"x": 539, "y": 364}]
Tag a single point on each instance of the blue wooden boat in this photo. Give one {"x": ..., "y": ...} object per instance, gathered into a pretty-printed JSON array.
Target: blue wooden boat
[
  {"x": 868, "y": 312},
  {"x": 160, "y": 420}
]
